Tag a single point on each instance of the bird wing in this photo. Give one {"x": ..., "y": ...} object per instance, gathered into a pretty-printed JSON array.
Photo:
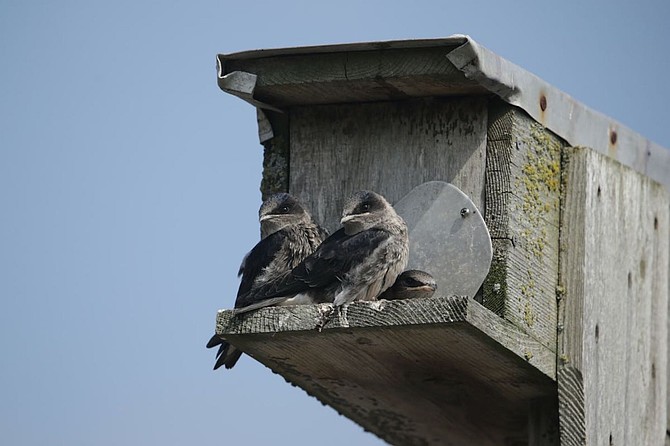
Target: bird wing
[
  {"x": 338, "y": 257},
  {"x": 331, "y": 262},
  {"x": 259, "y": 258}
]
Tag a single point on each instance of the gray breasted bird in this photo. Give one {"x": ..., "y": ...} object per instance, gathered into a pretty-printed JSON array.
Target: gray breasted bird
[
  {"x": 358, "y": 262},
  {"x": 288, "y": 235},
  {"x": 411, "y": 284}
]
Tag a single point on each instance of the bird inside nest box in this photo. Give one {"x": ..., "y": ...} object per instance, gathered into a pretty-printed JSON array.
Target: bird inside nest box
[{"x": 447, "y": 237}]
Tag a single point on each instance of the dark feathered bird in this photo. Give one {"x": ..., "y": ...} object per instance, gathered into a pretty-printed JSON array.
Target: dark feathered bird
[
  {"x": 411, "y": 284},
  {"x": 358, "y": 262},
  {"x": 288, "y": 235}
]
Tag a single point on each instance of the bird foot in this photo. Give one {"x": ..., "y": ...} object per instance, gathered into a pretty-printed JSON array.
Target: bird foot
[
  {"x": 326, "y": 313},
  {"x": 342, "y": 315}
]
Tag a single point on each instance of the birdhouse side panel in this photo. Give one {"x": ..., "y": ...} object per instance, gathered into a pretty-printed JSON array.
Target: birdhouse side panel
[
  {"x": 388, "y": 147},
  {"x": 523, "y": 165},
  {"x": 614, "y": 270}
]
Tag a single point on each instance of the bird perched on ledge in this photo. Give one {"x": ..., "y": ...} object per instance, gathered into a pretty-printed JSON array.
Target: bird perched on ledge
[
  {"x": 411, "y": 284},
  {"x": 288, "y": 235},
  {"x": 358, "y": 262}
]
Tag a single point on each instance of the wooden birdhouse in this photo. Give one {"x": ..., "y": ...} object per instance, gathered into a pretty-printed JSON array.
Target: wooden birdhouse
[{"x": 566, "y": 340}]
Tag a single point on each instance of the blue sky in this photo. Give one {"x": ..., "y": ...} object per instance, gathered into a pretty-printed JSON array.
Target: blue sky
[{"x": 129, "y": 190}]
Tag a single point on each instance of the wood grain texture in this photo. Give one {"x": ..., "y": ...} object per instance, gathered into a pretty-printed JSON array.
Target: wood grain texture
[
  {"x": 420, "y": 371},
  {"x": 522, "y": 213},
  {"x": 335, "y": 78},
  {"x": 614, "y": 269},
  {"x": 387, "y": 147},
  {"x": 276, "y": 156},
  {"x": 571, "y": 406}
]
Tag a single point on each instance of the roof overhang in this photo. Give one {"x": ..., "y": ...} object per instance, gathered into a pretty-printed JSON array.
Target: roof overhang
[{"x": 279, "y": 79}]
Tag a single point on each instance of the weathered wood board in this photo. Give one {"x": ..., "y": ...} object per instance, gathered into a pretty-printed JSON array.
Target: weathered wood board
[
  {"x": 388, "y": 147},
  {"x": 614, "y": 311},
  {"x": 522, "y": 214},
  {"x": 353, "y": 76},
  {"x": 440, "y": 371}
]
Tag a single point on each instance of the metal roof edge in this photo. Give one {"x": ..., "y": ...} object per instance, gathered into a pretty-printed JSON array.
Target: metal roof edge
[
  {"x": 560, "y": 113},
  {"x": 455, "y": 39}
]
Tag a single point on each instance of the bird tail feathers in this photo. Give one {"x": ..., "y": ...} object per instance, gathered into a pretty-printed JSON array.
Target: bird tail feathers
[
  {"x": 227, "y": 356},
  {"x": 262, "y": 304}
]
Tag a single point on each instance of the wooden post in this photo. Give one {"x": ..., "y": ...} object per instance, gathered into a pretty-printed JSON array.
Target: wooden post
[{"x": 613, "y": 319}]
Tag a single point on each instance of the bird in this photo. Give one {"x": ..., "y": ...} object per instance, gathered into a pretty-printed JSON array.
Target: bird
[
  {"x": 358, "y": 262},
  {"x": 288, "y": 235},
  {"x": 411, "y": 284}
]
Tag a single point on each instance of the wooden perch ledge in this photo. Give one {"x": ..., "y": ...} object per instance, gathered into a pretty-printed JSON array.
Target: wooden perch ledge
[{"x": 423, "y": 371}]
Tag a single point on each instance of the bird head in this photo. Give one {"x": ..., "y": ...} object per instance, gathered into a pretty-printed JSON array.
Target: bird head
[
  {"x": 417, "y": 280},
  {"x": 365, "y": 210},
  {"x": 412, "y": 284},
  {"x": 279, "y": 211}
]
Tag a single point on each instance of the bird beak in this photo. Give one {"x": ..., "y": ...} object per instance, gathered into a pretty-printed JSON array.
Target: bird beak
[
  {"x": 266, "y": 217},
  {"x": 430, "y": 286},
  {"x": 346, "y": 218}
]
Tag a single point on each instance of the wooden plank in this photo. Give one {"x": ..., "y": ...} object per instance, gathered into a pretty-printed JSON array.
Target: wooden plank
[
  {"x": 388, "y": 147},
  {"x": 354, "y": 76},
  {"x": 442, "y": 371},
  {"x": 614, "y": 270},
  {"x": 522, "y": 213},
  {"x": 571, "y": 406}
]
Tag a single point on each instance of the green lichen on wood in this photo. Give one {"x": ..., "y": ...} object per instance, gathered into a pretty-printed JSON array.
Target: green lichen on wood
[
  {"x": 538, "y": 184},
  {"x": 276, "y": 156},
  {"x": 560, "y": 292},
  {"x": 275, "y": 167},
  {"x": 528, "y": 288},
  {"x": 528, "y": 316},
  {"x": 495, "y": 285},
  {"x": 522, "y": 211}
]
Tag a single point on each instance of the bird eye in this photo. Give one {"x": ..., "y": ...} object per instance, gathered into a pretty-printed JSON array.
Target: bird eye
[
  {"x": 409, "y": 282},
  {"x": 285, "y": 209},
  {"x": 365, "y": 207}
]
